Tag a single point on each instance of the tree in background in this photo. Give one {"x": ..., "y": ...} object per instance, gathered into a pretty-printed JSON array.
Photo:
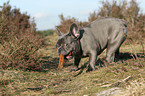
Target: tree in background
[
  {"x": 65, "y": 23},
  {"x": 129, "y": 11}
]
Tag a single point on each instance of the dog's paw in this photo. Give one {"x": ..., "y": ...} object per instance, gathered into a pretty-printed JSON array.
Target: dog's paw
[
  {"x": 73, "y": 69},
  {"x": 90, "y": 69}
]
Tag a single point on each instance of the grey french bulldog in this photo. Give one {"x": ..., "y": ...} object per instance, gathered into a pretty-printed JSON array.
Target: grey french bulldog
[{"x": 91, "y": 40}]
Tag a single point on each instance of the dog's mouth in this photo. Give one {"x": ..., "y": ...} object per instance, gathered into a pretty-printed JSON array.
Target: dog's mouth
[{"x": 69, "y": 56}]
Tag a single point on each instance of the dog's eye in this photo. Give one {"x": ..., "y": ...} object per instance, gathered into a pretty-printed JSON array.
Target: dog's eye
[{"x": 66, "y": 45}]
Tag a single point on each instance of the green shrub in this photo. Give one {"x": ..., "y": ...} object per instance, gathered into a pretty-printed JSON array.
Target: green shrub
[{"x": 46, "y": 32}]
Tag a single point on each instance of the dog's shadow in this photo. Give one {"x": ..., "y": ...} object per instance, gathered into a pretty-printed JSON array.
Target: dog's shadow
[
  {"x": 101, "y": 62},
  {"x": 122, "y": 57},
  {"x": 126, "y": 56}
]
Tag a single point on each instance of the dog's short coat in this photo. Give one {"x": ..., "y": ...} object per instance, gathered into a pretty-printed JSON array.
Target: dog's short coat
[{"x": 92, "y": 39}]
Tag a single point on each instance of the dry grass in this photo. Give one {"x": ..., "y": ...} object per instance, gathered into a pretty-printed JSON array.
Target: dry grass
[
  {"x": 136, "y": 88},
  {"x": 50, "y": 81},
  {"x": 65, "y": 83}
]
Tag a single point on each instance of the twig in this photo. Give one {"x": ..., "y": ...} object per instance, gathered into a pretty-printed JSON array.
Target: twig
[
  {"x": 35, "y": 88},
  {"x": 118, "y": 82}
]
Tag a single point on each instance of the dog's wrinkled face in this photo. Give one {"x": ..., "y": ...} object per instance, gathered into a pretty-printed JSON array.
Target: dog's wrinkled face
[{"x": 65, "y": 42}]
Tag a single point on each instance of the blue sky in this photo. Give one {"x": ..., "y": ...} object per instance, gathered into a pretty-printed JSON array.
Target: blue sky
[{"x": 46, "y": 12}]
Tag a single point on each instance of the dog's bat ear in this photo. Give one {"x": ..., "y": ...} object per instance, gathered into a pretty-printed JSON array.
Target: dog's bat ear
[
  {"x": 59, "y": 32},
  {"x": 74, "y": 30}
]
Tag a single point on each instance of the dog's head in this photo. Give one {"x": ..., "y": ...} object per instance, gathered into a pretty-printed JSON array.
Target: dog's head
[{"x": 66, "y": 42}]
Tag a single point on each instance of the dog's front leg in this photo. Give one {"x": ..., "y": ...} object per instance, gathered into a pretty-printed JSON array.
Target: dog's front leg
[
  {"x": 76, "y": 64},
  {"x": 92, "y": 59}
]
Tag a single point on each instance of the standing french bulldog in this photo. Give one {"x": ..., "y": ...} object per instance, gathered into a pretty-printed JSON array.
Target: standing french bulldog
[{"x": 92, "y": 39}]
